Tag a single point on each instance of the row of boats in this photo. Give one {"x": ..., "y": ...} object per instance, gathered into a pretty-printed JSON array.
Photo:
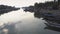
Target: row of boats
[{"x": 52, "y": 20}]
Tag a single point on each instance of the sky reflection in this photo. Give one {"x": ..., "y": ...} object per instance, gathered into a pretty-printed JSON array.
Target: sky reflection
[{"x": 20, "y": 22}]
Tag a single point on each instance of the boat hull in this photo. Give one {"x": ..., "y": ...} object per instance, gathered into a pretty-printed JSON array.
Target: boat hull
[{"x": 53, "y": 25}]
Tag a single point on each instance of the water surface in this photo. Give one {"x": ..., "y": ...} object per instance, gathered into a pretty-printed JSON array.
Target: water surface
[{"x": 20, "y": 22}]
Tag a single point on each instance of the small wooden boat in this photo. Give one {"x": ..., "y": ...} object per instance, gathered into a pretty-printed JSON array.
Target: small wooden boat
[{"x": 54, "y": 25}]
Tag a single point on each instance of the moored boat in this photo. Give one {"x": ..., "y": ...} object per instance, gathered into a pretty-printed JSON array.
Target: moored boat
[{"x": 53, "y": 24}]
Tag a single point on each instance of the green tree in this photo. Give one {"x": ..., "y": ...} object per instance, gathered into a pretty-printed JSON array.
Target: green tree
[{"x": 36, "y": 4}]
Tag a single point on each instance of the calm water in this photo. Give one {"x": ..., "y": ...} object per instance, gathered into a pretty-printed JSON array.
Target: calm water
[{"x": 20, "y": 22}]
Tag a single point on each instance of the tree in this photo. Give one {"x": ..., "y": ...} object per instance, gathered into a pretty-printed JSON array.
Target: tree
[
  {"x": 58, "y": 2},
  {"x": 36, "y": 5}
]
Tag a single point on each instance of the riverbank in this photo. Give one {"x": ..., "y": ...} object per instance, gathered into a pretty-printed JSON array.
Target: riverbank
[{"x": 6, "y": 9}]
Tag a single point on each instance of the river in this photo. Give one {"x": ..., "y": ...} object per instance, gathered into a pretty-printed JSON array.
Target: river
[{"x": 21, "y": 22}]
